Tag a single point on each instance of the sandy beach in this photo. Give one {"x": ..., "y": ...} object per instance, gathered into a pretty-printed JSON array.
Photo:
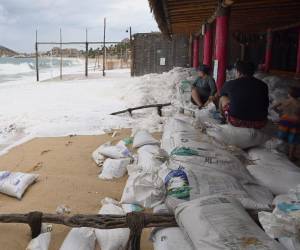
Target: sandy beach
[{"x": 68, "y": 176}]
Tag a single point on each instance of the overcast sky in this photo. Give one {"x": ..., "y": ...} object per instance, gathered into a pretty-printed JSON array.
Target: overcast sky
[{"x": 20, "y": 18}]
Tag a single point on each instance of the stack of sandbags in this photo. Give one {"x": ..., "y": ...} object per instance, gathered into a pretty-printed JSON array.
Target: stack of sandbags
[
  {"x": 144, "y": 187},
  {"x": 118, "y": 157}
]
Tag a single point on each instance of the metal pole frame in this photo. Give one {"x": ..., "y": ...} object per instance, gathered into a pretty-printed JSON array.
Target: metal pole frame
[
  {"x": 104, "y": 48},
  {"x": 37, "y": 57},
  {"x": 61, "y": 56}
]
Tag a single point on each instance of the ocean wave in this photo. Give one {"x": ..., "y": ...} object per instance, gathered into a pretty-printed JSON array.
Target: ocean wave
[{"x": 14, "y": 68}]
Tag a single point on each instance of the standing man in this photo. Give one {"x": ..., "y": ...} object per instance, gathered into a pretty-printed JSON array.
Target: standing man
[{"x": 204, "y": 87}]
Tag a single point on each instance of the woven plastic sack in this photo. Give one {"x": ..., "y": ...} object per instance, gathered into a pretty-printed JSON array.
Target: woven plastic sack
[
  {"x": 112, "y": 239},
  {"x": 115, "y": 152},
  {"x": 214, "y": 223},
  {"x": 142, "y": 138},
  {"x": 240, "y": 137},
  {"x": 42, "y": 241},
  {"x": 144, "y": 189},
  {"x": 206, "y": 156},
  {"x": 80, "y": 239},
  {"x": 277, "y": 180},
  {"x": 15, "y": 183},
  {"x": 114, "y": 168},
  {"x": 150, "y": 158}
]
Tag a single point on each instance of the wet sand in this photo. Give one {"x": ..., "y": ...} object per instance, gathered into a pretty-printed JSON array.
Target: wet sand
[{"x": 68, "y": 175}]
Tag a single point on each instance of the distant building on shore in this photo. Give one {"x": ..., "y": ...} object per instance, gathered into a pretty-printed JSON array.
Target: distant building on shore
[{"x": 70, "y": 52}]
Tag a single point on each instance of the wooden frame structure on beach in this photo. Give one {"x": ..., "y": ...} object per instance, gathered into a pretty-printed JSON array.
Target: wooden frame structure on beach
[{"x": 86, "y": 43}]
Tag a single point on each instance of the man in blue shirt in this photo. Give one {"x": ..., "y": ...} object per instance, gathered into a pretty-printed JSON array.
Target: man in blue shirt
[{"x": 204, "y": 87}]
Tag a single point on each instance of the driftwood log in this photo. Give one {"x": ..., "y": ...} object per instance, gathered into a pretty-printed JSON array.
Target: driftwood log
[
  {"x": 158, "y": 106},
  {"x": 135, "y": 221}
]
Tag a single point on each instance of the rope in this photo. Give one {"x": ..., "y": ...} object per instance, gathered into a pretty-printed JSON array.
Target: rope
[
  {"x": 136, "y": 223},
  {"x": 35, "y": 223}
]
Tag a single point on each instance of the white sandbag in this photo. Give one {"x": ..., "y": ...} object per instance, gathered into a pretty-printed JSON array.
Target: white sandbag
[
  {"x": 15, "y": 183},
  {"x": 80, "y": 239},
  {"x": 290, "y": 243},
  {"x": 259, "y": 193},
  {"x": 199, "y": 139},
  {"x": 144, "y": 189},
  {"x": 112, "y": 239},
  {"x": 150, "y": 158},
  {"x": 282, "y": 222},
  {"x": 98, "y": 157},
  {"x": 277, "y": 180},
  {"x": 264, "y": 157},
  {"x": 204, "y": 183},
  {"x": 240, "y": 137},
  {"x": 172, "y": 126},
  {"x": 214, "y": 223},
  {"x": 115, "y": 152},
  {"x": 142, "y": 138},
  {"x": 207, "y": 156},
  {"x": 168, "y": 238},
  {"x": 204, "y": 117},
  {"x": 42, "y": 241},
  {"x": 114, "y": 168},
  {"x": 189, "y": 184}
]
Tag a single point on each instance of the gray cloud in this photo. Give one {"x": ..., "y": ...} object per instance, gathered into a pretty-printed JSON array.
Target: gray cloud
[{"x": 20, "y": 18}]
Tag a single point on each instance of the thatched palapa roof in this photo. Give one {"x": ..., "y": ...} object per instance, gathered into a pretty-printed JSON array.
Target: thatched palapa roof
[{"x": 187, "y": 16}]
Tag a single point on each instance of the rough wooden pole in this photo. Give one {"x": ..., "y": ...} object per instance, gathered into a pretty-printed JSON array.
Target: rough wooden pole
[
  {"x": 86, "y": 53},
  {"x": 131, "y": 50},
  {"x": 37, "y": 56},
  {"x": 104, "y": 48}
]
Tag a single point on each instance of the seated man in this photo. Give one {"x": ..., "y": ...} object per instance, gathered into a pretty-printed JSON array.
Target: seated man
[
  {"x": 245, "y": 101},
  {"x": 204, "y": 87}
]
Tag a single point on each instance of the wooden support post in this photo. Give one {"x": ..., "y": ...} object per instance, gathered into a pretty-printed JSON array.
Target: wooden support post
[
  {"x": 61, "y": 54},
  {"x": 196, "y": 52},
  {"x": 190, "y": 51},
  {"x": 207, "y": 47},
  {"x": 37, "y": 57},
  {"x": 221, "y": 44},
  {"x": 268, "y": 55},
  {"x": 86, "y": 54},
  {"x": 298, "y": 54},
  {"x": 131, "y": 50},
  {"x": 104, "y": 48}
]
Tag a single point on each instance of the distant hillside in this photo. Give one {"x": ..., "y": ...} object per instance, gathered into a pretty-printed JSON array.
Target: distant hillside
[{"x": 7, "y": 52}]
